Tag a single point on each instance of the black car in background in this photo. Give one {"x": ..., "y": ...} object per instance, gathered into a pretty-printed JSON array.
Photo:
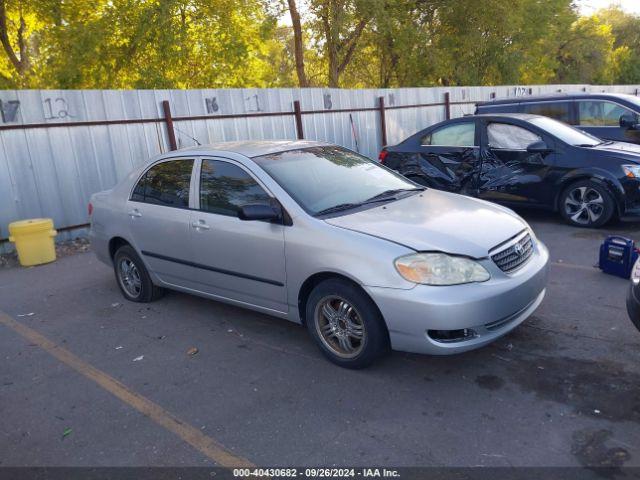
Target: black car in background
[
  {"x": 525, "y": 160},
  {"x": 610, "y": 116}
]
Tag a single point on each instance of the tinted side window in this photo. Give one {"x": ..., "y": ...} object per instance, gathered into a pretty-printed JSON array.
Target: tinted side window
[
  {"x": 558, "y": 110},
  {"x": 456, "y": 135},
  {"x": 601, "y": 114},
  {"x": 225, "y": 188},
  {"x": 166, "y": 183},
  {"x": 510, "y": 137}
]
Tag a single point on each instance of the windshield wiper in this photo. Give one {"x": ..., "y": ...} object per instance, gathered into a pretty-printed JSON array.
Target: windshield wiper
[
  {"x": 338, "y": 208},
  {"x": 381, "y": 197},
  {"x": 392, "y": 193}
]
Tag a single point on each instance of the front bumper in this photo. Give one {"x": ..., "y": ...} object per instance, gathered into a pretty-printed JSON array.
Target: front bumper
[
  {"x": 633, "y": 305},
  {"x": 490, "y": 309}
]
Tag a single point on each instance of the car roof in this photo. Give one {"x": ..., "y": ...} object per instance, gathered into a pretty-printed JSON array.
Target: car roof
[
  {"x": 517, "y": 116},
  {"x": 252, "y": 148},
  {"x": 555, "y": 96}
]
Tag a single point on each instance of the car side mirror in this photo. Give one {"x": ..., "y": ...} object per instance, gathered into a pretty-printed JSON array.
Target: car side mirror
[
  {"x": 259, "y": 212},
  {"x": 629, "y": 121},
  {"x": 539, "y": 146}
]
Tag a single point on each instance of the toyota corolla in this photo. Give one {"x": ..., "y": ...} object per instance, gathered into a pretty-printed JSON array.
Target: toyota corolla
[{"x": 317, "y": 234}]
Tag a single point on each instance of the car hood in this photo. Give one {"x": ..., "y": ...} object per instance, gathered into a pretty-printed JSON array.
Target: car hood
[{"x": 437, "y": 221}]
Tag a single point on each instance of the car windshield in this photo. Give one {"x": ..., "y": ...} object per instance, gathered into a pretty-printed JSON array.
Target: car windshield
[
  {"x": 565, "y": 132},
  {"x": 323, "y": 178}
]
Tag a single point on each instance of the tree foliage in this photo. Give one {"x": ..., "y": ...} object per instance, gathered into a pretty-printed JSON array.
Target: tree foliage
[{"x": 345, "y": 43}]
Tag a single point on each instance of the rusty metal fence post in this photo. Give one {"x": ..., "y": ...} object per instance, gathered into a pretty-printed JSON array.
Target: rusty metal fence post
[
  {"x": 447, "y": 106},
  {"x": 383, "y": 122},
  {"x": 298, "y": 114},
  {"x": 169, "y": 122}
]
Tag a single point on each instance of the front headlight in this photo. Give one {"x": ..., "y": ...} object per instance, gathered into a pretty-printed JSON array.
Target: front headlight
[
  {"x": 635, "y": 272},
  {"x": 440, "y": 269},
  {"x": 631, "y": 171}
]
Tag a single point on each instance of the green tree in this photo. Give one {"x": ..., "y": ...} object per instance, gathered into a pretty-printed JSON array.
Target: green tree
[{"x": 586, "y": 54}]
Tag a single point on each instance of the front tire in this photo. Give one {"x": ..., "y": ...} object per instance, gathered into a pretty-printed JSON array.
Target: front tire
[
  {"x": 133, "y": 278},
  {"x": 346, "y": 324},
  {"x": 586, "y": 204}
]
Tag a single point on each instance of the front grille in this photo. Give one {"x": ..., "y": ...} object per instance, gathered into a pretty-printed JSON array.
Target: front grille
[{"x": 515, "y": 254}]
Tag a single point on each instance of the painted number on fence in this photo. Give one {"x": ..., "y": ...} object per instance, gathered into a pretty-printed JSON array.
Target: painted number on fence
[
  {"x": 212, "y": 104},
  {"x": 252, "y": 104},
  {"x": 56, "y": 108},
  {"x": 9, "y": 110},
  {"x": 328, "y": 104}
]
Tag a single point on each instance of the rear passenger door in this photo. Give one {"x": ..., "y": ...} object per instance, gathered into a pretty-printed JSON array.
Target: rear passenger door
[
  {"x": 236, "y": 259},
  {"x": 449, "y": 157},
  {"x": 158, "y": 217},
  {"x": 510, "y": 174},
  {"x": 602, "y": 119}
]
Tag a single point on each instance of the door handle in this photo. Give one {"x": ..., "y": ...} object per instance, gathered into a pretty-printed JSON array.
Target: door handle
[
  {"x": 200, "y": 225},
  {"x": 135, "y": 213}
]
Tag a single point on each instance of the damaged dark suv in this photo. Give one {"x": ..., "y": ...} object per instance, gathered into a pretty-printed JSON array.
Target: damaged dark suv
[{"x": 525, "y": 160}]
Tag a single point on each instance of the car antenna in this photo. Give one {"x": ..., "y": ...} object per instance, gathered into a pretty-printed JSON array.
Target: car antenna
[
  {"x": 355, "y": 134},
  {"x": 187, "y": 135}
]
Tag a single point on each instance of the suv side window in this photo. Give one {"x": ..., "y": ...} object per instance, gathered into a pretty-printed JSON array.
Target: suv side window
[
  {"x": 558, "y": 110},
  {"x": 505, "y": 136},
  {"x": 225, "y": 188},
  {"x": 166, "y": 183},
  {"x": 456, "y": 135},
  {"x": 599, "y": 113}
]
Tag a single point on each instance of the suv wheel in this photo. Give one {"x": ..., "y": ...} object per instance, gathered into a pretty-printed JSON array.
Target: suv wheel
[
  {"x": 346, "y": 324},
  {"x": 586, "y": 204},
  {"x": 132, "y": 276}
]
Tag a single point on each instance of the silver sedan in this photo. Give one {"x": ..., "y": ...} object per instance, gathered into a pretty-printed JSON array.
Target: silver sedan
[{"x": 317, "y": 234}]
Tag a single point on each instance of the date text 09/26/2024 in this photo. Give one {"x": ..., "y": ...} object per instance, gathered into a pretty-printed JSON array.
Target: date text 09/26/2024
[{"x": 316, "y": 472}]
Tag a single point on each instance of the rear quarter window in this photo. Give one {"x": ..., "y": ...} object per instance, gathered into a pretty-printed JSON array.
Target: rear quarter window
[{"x": 166, "y": 183}]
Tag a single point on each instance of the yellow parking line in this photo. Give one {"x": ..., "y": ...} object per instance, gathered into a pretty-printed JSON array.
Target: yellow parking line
[
  {"x": 193, "y": 436},
  {"x": 574, "y": 266}
]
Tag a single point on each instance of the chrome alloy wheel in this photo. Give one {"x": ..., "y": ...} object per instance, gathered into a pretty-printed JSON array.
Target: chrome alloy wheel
[
  {"x": 584, "y": 205},
  {"x": 129, "y": 277},
  {"x": 340, "y": 326}
]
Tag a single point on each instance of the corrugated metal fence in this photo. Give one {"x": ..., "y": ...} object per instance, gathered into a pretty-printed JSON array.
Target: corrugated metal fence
[{"x": 57, "y": 147}]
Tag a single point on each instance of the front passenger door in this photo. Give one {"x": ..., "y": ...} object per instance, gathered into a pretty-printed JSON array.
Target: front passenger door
[
  {"x": 602, "y": 119},
  {"x": 509, "y": 172},
  {"x": 236, "y": 259}
]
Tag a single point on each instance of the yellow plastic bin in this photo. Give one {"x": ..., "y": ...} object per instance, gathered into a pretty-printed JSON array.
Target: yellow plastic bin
[{"x": 34, "y": 241}]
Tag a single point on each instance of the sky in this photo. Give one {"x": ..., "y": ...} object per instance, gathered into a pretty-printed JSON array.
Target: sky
[{"x": 587, "y": 7}]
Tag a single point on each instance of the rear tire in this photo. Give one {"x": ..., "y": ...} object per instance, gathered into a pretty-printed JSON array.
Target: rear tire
[
  {"x": 346, "y": 324},
  {"x": 132, "y": 276},
  {"x": 586, "y": 204}
]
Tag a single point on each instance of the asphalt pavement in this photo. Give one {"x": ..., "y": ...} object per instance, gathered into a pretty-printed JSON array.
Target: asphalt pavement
[{"x": 89, "y": 379}]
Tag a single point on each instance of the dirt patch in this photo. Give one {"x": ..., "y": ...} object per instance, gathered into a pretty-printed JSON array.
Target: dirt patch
[
  {"x": 589, "y": 447},
  {"x": 598, "y": 389},
  {"x": 63, "y": 249},
  {"x": 490, "y": 382}
]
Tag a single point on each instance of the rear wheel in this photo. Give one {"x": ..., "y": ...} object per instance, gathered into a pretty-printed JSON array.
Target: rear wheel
[
  {"x": 586, "y": 204},
  {"x": 346, "y": 324},
  {"x": 132, "y": 276}
]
